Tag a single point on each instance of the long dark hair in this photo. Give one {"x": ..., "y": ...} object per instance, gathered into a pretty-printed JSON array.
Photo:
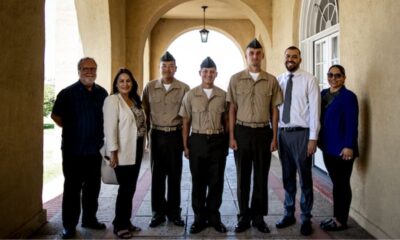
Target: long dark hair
[{"x": 133, "y": 93}]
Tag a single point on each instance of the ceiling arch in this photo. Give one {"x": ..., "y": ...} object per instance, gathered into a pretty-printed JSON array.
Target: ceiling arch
[
  {"x": 218, "y": 9},
  {"x": 147, "y": 13}
]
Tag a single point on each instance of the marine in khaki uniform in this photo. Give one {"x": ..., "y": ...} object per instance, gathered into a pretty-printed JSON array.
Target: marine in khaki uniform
[
  {"x": 253, "y": 95},
  {"x": 162, "y": 99},
  {"x": 204, "y": 110}
]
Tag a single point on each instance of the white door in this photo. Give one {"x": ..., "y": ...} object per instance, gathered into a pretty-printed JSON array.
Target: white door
[{"x": 326, "y": 54}]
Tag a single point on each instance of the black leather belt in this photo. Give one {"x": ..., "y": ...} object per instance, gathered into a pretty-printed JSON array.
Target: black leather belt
[{"x": 292, "y": 129}]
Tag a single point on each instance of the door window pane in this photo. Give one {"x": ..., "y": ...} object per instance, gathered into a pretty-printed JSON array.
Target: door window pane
[
  {"x": 326, "y": 54},
  {"x": 335, "y": 52}
]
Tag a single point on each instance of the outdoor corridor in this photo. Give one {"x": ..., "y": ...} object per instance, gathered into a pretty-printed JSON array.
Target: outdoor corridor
[{"x": 142, "y": 210}]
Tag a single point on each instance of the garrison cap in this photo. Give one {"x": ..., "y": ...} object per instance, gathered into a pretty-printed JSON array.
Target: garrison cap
[
  {"x": 208, "y": 63},
  {"x": 254, "y": 44},
  {"x": 167, "y": 57}
]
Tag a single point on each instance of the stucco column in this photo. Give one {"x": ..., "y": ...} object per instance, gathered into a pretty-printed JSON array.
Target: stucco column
[{"x": 21, "y": 123}]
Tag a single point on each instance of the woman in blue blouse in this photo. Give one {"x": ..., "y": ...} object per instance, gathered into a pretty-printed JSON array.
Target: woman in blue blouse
[{"x": 338, "y": 142}]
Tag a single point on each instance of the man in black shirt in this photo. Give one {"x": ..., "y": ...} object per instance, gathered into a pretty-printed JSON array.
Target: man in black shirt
[{"x": 78, "y": 110}]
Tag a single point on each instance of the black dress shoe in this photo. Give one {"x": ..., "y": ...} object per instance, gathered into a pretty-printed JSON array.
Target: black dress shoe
[
  {"x": 94, "y": 225},
  {"x": 156, "y": 221},
  {"x": 219, "y": 227},
  {"x": 242, "y": 226},
  {"x": 68, "y": 233},
  {"x": 177, "y": 221},
  {"x": 197, "y": 227},
  {"x": 261, "y": 226},
  {"x": 306, "y": 228},
  {"x": 286, "y": 221}
]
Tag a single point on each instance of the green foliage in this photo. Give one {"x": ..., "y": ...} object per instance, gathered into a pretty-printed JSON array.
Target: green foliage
[
  {"x": 48, "y": 126},
  {"x": 49, "y": 98}
]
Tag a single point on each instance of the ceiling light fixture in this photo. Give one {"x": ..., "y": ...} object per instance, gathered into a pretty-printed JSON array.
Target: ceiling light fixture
[{"x": 204, "y": 32}]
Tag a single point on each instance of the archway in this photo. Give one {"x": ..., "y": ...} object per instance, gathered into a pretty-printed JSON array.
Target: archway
[
  {"x": 258, "y": 14},
  {"x": 189, "y": 52}
]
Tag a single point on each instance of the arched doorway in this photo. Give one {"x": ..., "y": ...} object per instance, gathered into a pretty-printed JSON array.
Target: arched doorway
[{"x": 189, "y": 52}]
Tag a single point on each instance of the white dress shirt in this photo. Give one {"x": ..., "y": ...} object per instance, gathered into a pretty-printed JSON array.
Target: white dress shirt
[{"x": 306, "y": 101}]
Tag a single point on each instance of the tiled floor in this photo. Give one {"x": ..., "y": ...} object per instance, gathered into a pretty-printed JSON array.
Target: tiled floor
[{"x": 142, "y": 211}]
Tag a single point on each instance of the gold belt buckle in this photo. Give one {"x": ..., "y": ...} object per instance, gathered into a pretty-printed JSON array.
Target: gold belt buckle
[
  {"x": 253, "y": 125},
  {"x": 209, "y": 131},
  {"x": 168, "y": 129}
]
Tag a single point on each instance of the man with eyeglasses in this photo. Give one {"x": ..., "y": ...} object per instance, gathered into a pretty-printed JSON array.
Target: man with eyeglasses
[
  {"x": 78, "y": 111},
  {"x": 297, "y": 137}
]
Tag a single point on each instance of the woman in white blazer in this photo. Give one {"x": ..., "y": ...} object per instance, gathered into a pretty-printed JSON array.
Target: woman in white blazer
[{"x": 124, "y": 129}]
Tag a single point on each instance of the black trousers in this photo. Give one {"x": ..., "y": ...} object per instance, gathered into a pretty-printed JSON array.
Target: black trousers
[
  {"x": 166, "y": 164},
  {"x": 340, "y": 172},
  {"x": 127, "y": 177},
  {"x": 253, "y": 153},
  {"x": 207, "y": 159},
  {"x": 82, "y": 176},
  {"x": 293, "y": 156}
]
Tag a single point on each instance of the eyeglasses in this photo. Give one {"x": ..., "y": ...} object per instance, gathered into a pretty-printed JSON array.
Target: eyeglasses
[
  {"x": 336, "y": 75},
  {"x": 84, "y": 69}
]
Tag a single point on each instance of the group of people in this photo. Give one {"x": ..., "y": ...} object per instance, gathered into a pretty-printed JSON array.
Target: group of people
[{"x": 257, "y": 115}]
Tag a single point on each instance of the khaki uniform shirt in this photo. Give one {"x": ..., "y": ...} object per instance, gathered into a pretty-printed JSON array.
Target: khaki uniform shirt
[
  {"x": 254, "y": 98},
  {"x": 162, "y": 105},
  {"x": 204, "y": 114}
]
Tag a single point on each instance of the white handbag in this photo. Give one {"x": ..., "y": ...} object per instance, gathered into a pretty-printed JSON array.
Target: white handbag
[{"x": 107, "y": 172}]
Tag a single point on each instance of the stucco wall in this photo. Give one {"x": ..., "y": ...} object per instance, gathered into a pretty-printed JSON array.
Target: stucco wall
[
  {"x": 21, "y": 122},
  {"x": 138, "y": 28},
  {"x": 284, "y": 34},
  {"x": 260, "y": 14},
  {"x": 370, "y": 52},
  {"x": 167, "y": 30},
  {"x": 118, "y": 41},
  {"x": 67, "y": 43},
  {"x": 94, "y": 28}
]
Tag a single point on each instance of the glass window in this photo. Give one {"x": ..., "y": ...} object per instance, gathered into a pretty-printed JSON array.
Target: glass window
[
  {"x": 335, "y": 51},
  {"x": 327, "y": 14},
  {"x": 325, "y": 55}
]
